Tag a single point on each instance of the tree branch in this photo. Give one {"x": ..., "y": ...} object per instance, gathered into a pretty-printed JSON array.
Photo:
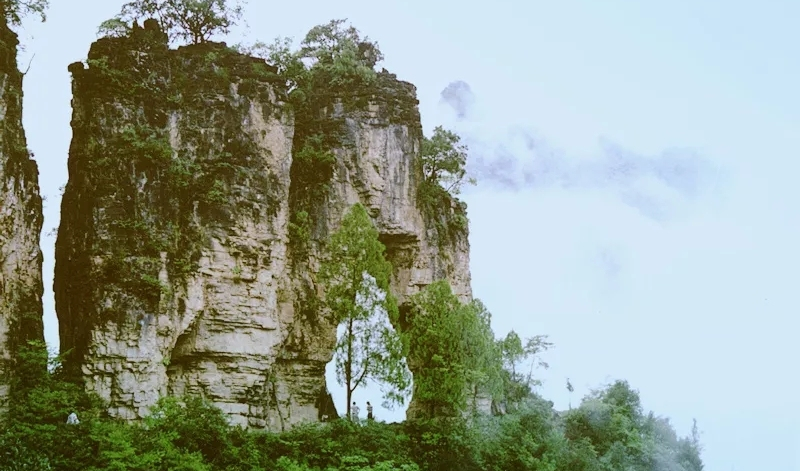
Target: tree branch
[
  {"x": 363, "y": 374},
  {"x": 29, "y": 65}
]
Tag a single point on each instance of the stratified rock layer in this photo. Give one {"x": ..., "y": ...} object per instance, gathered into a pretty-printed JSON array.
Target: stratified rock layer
[
  {"x": 20, "y": 223},
  {"x": 175, "y": 270}
]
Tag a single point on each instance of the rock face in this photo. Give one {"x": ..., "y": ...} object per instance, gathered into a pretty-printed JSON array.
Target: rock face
[
  {"x": 20, "y": 222},
  {"x": 185, "y": 263}
]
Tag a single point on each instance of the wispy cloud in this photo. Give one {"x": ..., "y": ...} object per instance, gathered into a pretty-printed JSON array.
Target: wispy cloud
[
  {"x": 460, "y": 98},
  {"x": 521, "y": 159}
]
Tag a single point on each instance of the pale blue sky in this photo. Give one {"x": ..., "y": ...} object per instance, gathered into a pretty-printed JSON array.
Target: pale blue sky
[{"x": 692, "y": 298}]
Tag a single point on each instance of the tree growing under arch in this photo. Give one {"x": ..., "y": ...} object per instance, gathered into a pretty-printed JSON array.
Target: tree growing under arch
[{"x": 355, "y": 275}]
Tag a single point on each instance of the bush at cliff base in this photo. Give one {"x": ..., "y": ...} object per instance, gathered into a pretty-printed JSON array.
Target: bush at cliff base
[{"x": 606, "y": 432}]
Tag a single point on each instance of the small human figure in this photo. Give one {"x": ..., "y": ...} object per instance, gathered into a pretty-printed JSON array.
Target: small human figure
[
  {"x": 369, "y": 411},
  {"x": 73, "y": 419},
  {"x": 354, "y": 410}
]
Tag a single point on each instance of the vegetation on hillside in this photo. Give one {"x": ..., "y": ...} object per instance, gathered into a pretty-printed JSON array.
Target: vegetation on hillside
[
  {"x": 455, "y": 356},
  {"x": 443, "y": 160},
  {"x": 607, "y": 432}
]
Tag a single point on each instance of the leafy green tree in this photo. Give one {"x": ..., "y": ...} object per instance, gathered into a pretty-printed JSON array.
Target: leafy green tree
[
  {"x": 485, "y": 375},
  {"x": 28, "y": 369},
  {"x": 340, "y": 49},
  {"x": 621, "y": 396},
  {"x": 612, "y": 422},
  {"x": 355, "y": 276},
  {"x": 41, "y": 400},
  {"x": 188, "y": 434},
  {"x": 514, "y": 353},
  {"x": 534, "y": 346},
  {"x": 452, "y": 347},
  {"x": 437, "y": 349},
  {"x": 527, "y": 440},
  {"x": 282, "y": 55},
  {"x": 663, "y": 449},
  {"x": 689, "y": 450},
  {"x": 444, "y": 161},
  {"x": 331, "y": 56},
  {"x": 193, "y": 21},
  {"x": 15, "y": 10}
]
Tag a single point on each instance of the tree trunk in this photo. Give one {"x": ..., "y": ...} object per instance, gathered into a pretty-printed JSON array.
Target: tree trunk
[
  {"x": 349, "y": 395},
  {"x": 348, "y": 366}
]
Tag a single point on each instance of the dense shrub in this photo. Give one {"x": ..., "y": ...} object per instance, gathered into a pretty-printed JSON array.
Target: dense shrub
[{"x": 606, "y": 433}]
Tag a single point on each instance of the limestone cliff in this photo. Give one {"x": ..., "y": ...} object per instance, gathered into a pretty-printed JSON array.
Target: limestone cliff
[
  {"x": 192, "y": 226},
  {"x": 20, "y": 222}
]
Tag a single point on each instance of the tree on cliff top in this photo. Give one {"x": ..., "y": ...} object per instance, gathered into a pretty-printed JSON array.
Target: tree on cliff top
[
  {"x": 444, "y": 160},
  {"x": 355, "y": 275},
  {"x": 192, "y": 21},
  {"x": 332, "y": 45},
  {"x": 15, "y": 10},
  {"x": 330, "y": 54}
]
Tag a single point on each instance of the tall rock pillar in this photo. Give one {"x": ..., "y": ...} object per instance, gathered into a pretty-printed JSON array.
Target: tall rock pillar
[
  {"x": 20, "y": 224},
  {"x": 193, "y": 224},
  {"x": 170, "y": 258}
]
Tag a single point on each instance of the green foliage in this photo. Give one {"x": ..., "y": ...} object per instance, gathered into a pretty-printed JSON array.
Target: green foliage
[
  {"x": 314, "y": 163},
  {"x": 192, "y": 21},
  {"x": 606, "y": 433},
  {"x": 485, "y": 375},
  {"x": 529, "y": 439},
  {"x": 442, "y": 162},
  {"x": 299, "y": 230},
  {"x": 331, "y": 58},
  {"x": 354, "y": 250},
  {"x": 281, "y": 55},
  {"x": 312, "y": 169},
  {"x": 28, "y": 368},
  {"x": 15, "y": 10},
  {"x": 516, "y": 385},
  {"x": 340, "y": 54},
  {"x": 356, "y": 276},
  {"x": 452, "y": 349},
  {"x": 35, "y": 435},
  {"x": 611, "y": 422}
]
